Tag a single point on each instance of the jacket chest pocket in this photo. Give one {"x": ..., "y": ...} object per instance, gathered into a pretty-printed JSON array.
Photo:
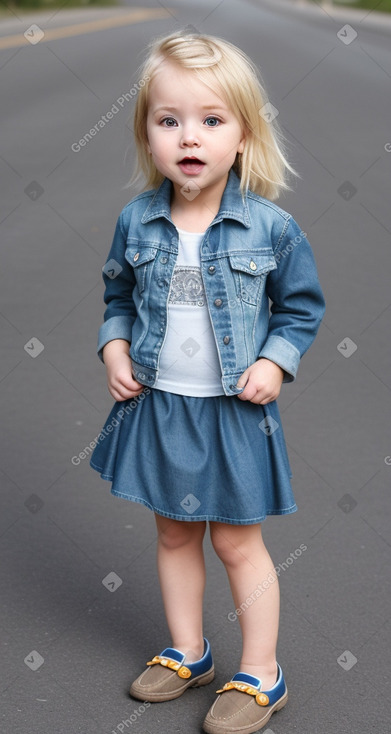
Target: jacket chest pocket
[
  {"x": 142, "y": 260},
  {"x": 249, "y": 272}
]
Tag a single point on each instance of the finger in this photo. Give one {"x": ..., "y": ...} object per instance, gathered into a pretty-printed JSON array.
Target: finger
[
  {"x": 243, "y": 379},
  {"x": 259, "y": 396},
  {"x": 115, "y": 394},
  {"x": 248, "y": 393},
  {"x": 266, "y": 400},
  {"x": 128, "y": 383},
  {"x": 120, "y": 393}
]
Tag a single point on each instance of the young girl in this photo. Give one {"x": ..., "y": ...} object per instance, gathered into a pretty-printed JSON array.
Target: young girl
[{"x": 195, "y": 362}]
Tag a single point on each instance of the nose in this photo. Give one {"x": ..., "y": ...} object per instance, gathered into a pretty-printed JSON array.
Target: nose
[{"x": 189, "y": 136}]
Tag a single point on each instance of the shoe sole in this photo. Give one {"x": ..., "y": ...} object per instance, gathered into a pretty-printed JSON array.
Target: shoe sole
[
  {"x": 158, "y": 696},
  {"x": 211, "y": 728}
]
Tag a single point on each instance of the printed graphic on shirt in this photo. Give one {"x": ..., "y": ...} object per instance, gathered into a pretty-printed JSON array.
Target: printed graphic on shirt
[{"x": 187, "y": 286}]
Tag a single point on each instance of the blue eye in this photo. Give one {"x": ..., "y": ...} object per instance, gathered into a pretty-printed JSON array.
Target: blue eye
[
  {"x": 171, "y": 122},
  {"x": 208, "y": 119}
]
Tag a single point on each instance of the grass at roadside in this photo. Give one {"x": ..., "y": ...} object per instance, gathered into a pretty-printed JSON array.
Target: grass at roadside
[
  {"x": 15, "y": 8},
  {"x": 381, "y": 6},
  {"x": 12, "y": 9}
]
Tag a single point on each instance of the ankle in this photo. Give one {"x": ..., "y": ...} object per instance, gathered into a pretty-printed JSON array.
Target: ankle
[
  {"x": 193, "y": 651},
  {"x": 267, "y": 673}
]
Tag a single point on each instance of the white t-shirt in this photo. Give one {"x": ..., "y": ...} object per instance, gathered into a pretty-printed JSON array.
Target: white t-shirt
[{"x": 189, "y": 362}]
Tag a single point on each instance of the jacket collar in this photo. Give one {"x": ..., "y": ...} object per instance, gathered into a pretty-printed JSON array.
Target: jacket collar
[{"x": 232, "y": 205}]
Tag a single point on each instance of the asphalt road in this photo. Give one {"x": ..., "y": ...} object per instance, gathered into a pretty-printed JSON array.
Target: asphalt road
[{"x": 70, "y": 646}]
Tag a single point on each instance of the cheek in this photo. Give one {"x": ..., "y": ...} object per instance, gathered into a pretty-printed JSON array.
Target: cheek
[
  {"x": 149, "y": 130},
  {"x": 163, "y": 146},
  {"x": 152, "y": 142},
  {"x": 155, "y": 137}
]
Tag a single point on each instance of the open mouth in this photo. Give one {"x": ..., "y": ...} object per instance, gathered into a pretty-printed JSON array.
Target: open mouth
[{"x": 191, "y": 165}]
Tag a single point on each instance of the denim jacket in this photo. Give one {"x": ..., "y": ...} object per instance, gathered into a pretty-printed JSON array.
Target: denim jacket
[{"x": 252, "y": 251}]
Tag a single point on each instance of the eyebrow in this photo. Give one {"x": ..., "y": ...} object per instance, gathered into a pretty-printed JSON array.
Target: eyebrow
[{"x": 204, "y": 107}]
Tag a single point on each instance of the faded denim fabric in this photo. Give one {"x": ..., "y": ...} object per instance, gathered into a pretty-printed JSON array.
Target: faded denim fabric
[{"x": 252, "y": 251}]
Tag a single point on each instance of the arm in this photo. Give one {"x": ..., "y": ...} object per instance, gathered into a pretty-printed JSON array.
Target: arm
[
  {"x": 298, "y": 303},
  {"x": 119, "y": 281},
  {"x": 115, "y": 334},
  {"x": 297, "y": 309}
]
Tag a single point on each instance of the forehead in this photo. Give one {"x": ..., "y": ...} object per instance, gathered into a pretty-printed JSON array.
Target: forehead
[{"x": 171, "y": 85}]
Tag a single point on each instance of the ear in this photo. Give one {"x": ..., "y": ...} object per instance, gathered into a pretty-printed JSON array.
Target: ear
[{"x": 242, "y": 144}]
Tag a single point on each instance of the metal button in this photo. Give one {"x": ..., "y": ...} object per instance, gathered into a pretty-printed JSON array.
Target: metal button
[
  {"x": 141, "y": 375},
  {"x": 160, "y": 283},
  {"x": 218, "y": 302},
  {"x": 136, "y": 257},
  {"x": 211, "y": 268},
  {"x": 226, "y": 340},
  {"x": 232, "y": 387},
  {"x": 253, "y": 265},
  {"x": 163, "y": 259}
]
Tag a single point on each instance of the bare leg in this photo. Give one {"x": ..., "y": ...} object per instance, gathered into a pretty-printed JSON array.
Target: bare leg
[
  {"x": 249, "y": 567},
  {"x": 181, "y": 570}
]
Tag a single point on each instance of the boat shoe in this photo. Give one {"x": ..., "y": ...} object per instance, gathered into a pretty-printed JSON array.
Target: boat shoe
[
  {"x": 168, "y": 677},
  {"x": 242, "y": 708}
]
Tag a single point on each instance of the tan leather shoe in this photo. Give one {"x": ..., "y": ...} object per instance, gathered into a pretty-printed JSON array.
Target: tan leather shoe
[
  {"x": 243, "y": 707},
  {"x": 168, "y": 677}
]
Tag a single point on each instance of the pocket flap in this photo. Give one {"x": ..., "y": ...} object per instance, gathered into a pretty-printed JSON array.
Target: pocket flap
[
  {"x": 138, "y": 255},
  {"x": 253, "y": 263}
]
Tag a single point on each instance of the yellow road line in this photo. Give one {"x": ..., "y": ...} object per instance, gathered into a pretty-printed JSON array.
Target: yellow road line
[{"x": 137, "y": 15}]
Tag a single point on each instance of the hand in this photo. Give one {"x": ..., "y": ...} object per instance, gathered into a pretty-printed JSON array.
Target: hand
[
  {"x": 264, "y": 380},
  {"x": 120, "y": 381}
]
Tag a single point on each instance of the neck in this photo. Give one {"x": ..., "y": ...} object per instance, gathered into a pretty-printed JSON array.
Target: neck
[{"x": 199, "y": 211}]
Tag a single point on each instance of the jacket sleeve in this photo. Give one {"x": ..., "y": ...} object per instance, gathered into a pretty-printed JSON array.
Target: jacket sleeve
[
  {"x": 119, "y": 280},
  {"x": 298, "y": 304}
]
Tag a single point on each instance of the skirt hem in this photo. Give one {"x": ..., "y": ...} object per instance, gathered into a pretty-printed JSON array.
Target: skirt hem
[{"x": 199, "y": 518}]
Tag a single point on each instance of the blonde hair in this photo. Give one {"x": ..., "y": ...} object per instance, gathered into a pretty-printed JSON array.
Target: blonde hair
[{"x": 224, "y": 68}]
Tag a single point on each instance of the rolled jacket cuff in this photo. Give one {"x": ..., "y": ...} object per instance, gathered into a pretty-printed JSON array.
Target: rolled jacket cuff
[
  {"x": 283, "y": 353},
  {"x": 116, "y": 327}
]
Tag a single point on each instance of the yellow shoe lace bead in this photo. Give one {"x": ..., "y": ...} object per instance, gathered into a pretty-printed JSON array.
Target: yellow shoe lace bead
[
  {"x": 182, "y": 670},
  {"x": 261, "y": 698}
]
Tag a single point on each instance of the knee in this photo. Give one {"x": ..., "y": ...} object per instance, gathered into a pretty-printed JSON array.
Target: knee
[
  {"x": 233, "y": 546},
  {"x": 177, "y": 534},
  {"x": 223, "y": 545}
]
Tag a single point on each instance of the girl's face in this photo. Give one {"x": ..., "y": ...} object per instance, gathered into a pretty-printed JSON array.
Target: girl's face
[{"x": 187, "y": 119}]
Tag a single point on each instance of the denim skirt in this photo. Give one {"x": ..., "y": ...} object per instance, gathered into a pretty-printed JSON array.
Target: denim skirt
[{"x": 197, "y": 458}]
